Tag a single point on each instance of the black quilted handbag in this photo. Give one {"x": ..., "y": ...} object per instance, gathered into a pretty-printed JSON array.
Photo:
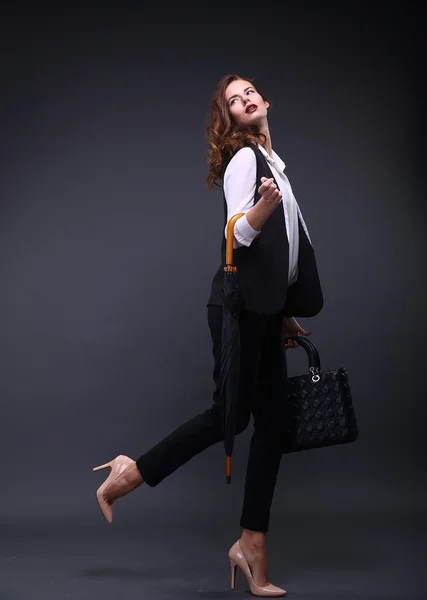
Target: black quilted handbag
[{"x": 321, "y": 409}]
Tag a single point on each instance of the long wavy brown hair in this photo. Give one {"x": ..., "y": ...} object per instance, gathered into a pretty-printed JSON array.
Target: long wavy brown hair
[{"x": 224, "y": 135}]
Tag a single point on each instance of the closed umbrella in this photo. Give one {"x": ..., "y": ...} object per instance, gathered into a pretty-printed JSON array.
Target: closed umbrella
[{"x": 230, "y": 347}]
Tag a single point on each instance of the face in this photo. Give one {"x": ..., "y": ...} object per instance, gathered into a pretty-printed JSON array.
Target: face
[{"x": 240, "y": 95}]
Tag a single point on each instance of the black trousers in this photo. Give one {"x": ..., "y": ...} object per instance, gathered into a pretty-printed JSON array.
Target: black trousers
[{"x": 262, "y": 393}]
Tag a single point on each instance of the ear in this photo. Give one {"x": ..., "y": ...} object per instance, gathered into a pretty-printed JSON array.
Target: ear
[{"x": 267, "y": 104}]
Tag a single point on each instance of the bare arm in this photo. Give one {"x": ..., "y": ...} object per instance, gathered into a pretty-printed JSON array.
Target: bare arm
[{"x": 270, "y": 199}]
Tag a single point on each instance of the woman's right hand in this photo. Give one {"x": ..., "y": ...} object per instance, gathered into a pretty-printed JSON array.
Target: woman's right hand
[{"x": 269, "y": 191}]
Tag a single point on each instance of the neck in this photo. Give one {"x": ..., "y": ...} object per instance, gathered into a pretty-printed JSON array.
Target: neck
[{"x": 265, "y": 130}]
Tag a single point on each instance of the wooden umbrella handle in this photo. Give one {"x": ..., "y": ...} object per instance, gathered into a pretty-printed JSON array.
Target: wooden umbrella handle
[
  {"x": 230, "y": 237},
  {"x": 228, "y": 469}
]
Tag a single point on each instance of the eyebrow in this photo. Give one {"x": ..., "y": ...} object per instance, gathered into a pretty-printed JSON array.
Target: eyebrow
[{"x": 245, "y": 90}]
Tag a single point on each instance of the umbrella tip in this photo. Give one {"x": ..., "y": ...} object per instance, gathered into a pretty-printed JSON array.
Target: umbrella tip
[{"x": 228, "y": 478}]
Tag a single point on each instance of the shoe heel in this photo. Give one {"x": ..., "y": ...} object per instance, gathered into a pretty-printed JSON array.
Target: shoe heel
[
  {"x": 109, "y": 464},
  {"x": 233, "y": 573}
]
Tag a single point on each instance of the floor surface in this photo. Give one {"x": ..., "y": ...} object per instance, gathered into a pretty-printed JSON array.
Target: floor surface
[{"x": 355, "y": 556}]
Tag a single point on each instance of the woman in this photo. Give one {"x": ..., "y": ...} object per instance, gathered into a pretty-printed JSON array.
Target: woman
[{"x": 278, "y": 278}]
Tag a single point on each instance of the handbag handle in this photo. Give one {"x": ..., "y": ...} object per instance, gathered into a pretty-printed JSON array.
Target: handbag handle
[{"x": 312, "y": 353}]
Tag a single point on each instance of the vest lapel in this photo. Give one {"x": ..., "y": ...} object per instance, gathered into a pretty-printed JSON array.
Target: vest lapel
[{"x": 304, "y": 297}]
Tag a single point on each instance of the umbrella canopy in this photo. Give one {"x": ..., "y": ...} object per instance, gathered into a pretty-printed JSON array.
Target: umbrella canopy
[{"x": 230, "y": 347}]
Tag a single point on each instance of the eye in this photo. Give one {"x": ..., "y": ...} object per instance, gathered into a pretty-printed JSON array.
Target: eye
[{"x": 232, "y": 101}]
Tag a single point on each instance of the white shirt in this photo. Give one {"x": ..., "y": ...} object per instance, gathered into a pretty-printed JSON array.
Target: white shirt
[{"x": 239, "y": 190}]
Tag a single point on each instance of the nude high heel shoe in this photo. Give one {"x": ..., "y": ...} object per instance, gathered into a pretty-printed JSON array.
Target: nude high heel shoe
[
  {"x": 123, "y": 478},
  {"x": 238, "y": 559}
]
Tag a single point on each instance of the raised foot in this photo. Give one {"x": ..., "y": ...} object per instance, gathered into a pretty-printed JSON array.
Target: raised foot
[{"x": 123, "y": 478}]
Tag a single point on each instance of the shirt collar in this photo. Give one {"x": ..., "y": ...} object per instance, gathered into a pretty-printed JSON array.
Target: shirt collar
[{"x": 274, "y": 160}]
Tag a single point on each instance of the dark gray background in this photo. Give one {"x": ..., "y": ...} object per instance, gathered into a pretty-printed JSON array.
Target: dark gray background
[{"x": 109, "y": 240}]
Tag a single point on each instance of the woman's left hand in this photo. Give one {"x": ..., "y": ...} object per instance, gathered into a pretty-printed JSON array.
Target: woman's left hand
[{"x": 291, "y": 328}]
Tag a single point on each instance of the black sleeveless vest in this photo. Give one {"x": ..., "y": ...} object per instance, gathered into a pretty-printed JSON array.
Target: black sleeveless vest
[{"x": 262, "y": 267}]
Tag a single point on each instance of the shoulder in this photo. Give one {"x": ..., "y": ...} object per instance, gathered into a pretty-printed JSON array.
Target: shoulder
[{"x": 244, "y": 159}]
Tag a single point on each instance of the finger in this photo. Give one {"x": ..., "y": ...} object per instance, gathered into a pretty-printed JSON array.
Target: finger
[
  {"x": 268, "y": 182},
  {"x": 298, "y": 329},
  {"x": 275, "y": 197},
  {"x": 267, "y": 185},
  {"x": 265, "y": 189},
  {"x": 264, "y": 186},
  {"x": 271, "y": 193},
  {"x": 267, "y": 194}
]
